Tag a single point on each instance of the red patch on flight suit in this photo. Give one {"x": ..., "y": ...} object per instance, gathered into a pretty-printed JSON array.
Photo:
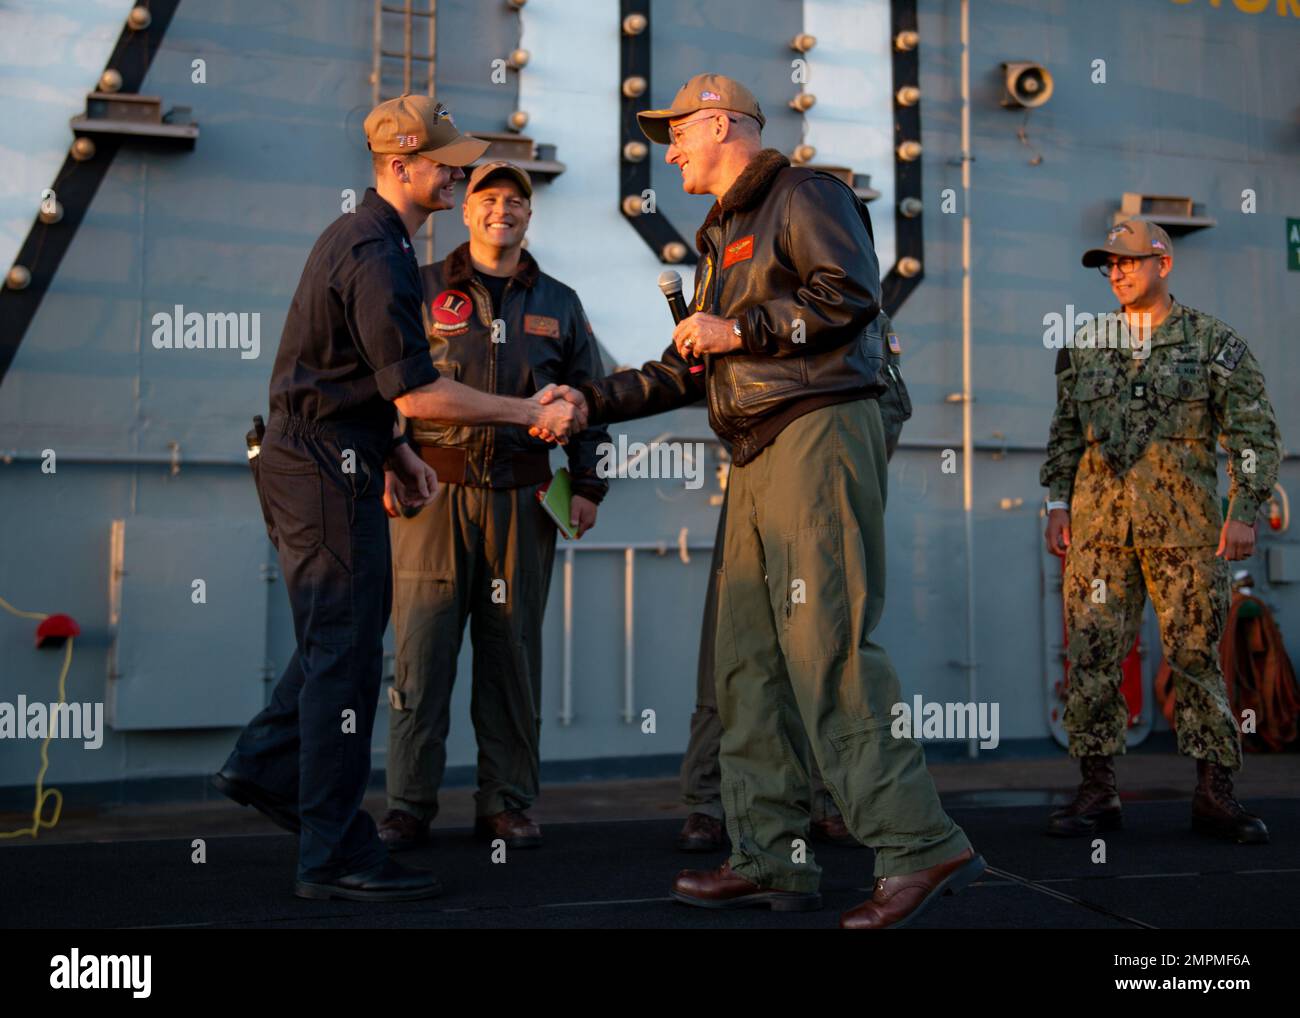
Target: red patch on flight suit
[
  {"x": 542, "y": 325},
  {"x": 738, "y": 251},
  {"x": 451, "y": 310}
]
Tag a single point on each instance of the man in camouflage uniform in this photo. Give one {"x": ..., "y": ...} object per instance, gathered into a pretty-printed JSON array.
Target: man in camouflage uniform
[{"x": 1133, "y": 507}]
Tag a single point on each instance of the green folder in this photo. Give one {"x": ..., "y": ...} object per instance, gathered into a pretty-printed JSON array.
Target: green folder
[{"x": 555, "y": 498}]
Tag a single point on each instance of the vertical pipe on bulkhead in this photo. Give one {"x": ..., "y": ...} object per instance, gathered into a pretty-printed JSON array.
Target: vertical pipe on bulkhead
[
  {"x": 967, "y": 437},
  {"x": 566, "y": 689}
]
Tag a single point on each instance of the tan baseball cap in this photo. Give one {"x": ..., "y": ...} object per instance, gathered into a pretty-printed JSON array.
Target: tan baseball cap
[
  {"x": 500, "y": 168},
  {"x": 420, "y": 125},
  {"x": 702, "y": 92},
  {"x": 1133, "y": 238}
]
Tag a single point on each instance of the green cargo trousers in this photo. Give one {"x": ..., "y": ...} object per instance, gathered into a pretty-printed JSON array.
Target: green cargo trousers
[
  {"x": 801, "y": 589},
  {"x": 701, "y": 776},
  {"x": 484, "y": 555}
]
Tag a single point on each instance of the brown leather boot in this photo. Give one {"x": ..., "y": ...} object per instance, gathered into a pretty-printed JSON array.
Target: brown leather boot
[
  {"x": 899, "y": 900},
  {"x": 702, "y": 833},
  {"x": 725, "y": 888},
  {"x": 513, "y": 826},
  {"x": 401, "y": 830},
  {"x": 1217, "y": 813},
  {"x": 1096, "y": 804}
]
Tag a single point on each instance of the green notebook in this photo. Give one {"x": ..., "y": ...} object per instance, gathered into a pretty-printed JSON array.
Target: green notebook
[{"x": 555, "y": 498}]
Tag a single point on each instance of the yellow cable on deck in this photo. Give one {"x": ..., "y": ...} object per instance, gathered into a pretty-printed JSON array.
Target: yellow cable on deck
[{"x": 41, "y": 793}]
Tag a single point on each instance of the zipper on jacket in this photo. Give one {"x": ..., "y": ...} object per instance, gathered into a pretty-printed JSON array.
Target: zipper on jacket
[
  {"x": 489, "y": 446},
  {"x": 710, "y": 368}
]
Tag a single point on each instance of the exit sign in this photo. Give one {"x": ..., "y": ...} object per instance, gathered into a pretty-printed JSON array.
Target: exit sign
[{"x": 1293, "y": 244}]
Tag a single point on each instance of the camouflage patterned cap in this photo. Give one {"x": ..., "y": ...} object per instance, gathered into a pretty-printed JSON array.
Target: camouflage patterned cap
[{"x": 1133, "y": 238}]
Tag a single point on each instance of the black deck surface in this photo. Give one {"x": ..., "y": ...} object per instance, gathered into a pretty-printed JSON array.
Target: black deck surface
[{"x": 616, "y": 875}]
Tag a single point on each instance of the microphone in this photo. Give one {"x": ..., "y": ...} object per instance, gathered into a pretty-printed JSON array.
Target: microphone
[{"x": 670, "y": 283}]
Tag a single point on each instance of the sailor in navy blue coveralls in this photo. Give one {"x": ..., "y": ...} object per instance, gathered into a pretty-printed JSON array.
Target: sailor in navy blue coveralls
[
  {"x": 354, "y": 345},
  {"x": 346, "y": 353}
]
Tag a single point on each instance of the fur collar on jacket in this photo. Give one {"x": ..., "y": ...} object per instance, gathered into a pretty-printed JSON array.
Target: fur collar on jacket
[
  {"x": 749, "y": 189},
  {"x": 458, "y": 269}
]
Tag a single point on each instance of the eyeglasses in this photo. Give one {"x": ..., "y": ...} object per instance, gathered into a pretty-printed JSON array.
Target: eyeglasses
[
  {"x": 1127, "y": 266},
  {"x": 676, "y": 131}
]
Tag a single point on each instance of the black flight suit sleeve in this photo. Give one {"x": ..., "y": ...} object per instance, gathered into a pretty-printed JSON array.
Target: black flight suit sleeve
[
  {"x": 381, "y": 296},
  {"x": 655, "y": 388}
]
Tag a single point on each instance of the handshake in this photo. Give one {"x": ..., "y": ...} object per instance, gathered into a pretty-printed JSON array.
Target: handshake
[{"x": 557, "y": 412}]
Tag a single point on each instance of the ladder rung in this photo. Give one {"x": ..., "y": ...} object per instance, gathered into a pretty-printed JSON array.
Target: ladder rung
[
  {"x": 403, "y": 10},
  {"x": 404, "y": 56}
]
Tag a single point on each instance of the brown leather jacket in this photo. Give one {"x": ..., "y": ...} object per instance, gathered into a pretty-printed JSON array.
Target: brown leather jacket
[
  {"x": 787, "y": 251},
  {"x": 545, "y": 337}
]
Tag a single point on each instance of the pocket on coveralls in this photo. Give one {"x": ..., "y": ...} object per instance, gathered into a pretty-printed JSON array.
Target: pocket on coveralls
[
  {"x": 295, "y": 499},
  {"x": 814, "y": 611}
]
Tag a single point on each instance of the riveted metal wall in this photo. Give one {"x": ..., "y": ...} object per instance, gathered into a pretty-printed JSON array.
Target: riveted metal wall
[{"x": 143, "y": 433}]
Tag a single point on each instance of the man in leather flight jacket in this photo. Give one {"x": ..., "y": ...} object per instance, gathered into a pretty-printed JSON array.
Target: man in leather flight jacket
[
  {"x": 786, "y": 295},
  {"x": 484, "y": 548}
]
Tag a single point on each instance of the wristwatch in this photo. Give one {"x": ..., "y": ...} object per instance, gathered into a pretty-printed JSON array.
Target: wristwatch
[{"x": 398, "y": 442}]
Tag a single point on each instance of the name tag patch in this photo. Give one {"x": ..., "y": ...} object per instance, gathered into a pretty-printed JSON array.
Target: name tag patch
[
  {"x": 738, "y": 251},
  {"x": 542, "y": 325}
]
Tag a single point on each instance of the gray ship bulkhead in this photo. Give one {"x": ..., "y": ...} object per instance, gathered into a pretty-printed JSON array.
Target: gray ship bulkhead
[{"x": 1198, "y": 101}]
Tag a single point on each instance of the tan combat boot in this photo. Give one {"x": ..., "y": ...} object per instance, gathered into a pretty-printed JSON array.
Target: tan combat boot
[
  {"x": 1096, "y": 804},
  {"x": 1217, "y": 813}
]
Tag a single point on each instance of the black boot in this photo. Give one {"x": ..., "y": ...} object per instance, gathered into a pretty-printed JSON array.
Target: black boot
[
  {"x": 1215, "y": 812},
  {"x": 1096, "y": 805}
]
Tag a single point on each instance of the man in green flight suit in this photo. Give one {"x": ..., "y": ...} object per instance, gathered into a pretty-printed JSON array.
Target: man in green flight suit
[{"x": 1134, "y": 509}]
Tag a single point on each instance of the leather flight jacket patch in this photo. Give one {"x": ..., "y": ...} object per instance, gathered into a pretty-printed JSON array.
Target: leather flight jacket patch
[{"x": 539, "y": 335}]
